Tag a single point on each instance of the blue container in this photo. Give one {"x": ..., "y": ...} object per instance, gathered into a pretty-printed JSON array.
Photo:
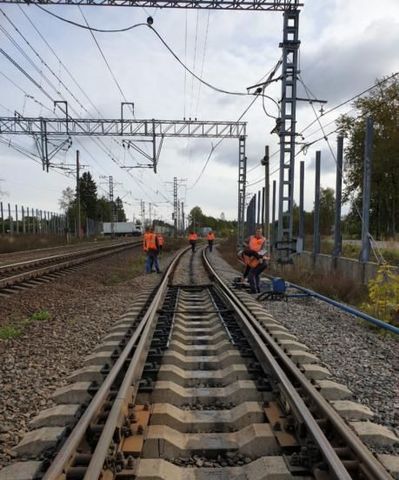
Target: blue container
[{"x": 278, "y": 285}]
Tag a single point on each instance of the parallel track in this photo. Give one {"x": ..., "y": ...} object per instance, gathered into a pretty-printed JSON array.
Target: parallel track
[
  {"x": 198, "y": 389},
  {"x": 28, "y": 273}
]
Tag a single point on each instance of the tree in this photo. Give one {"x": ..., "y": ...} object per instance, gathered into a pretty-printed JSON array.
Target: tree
[
  {"x": 119, "y": 210},
  {"x": 327, "y": 210},
  {"x": 88, "y": 195},
  {"x": 67, "y": 199},
  {"x": 382, "y": 105}
]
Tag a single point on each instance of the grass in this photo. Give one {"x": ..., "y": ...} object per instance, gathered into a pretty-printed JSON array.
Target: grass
[
  {"x": 332, "y": 285},
  {"x": 9, "y": 332},
  {"x": 17, "y": 243},
  {"x": 15, "y": 329},
  {"x": 41, "y": 316}
]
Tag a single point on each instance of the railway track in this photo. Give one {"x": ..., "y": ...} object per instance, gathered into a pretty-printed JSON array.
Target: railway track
[
  {"x": 18, "y": 276},
  {"x": 191, "y": 384}
]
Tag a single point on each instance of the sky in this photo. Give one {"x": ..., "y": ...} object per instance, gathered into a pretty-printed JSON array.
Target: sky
[{"x": 345, "y": 46}]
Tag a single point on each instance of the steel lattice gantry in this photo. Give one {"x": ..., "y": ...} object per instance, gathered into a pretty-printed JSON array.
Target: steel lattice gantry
[
  {"x": 259, "y": 5},
  {"x": 286, "y": 127},
  {"x": 44, "y": 130},
  {"x": 287, "y": 132}
]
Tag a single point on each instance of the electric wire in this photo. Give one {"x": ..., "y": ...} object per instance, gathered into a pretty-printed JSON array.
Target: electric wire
[{"x": 214, "y": 147}]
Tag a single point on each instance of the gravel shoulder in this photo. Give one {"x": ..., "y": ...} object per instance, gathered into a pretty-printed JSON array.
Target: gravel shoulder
[
  {"x": 80, "y": 309},
  {"x": 361, "y": 358}
]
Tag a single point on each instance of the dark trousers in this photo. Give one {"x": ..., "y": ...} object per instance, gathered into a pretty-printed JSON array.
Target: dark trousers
[
  {"x": 192, "y": 243},
  {"x": 210, "y": 245},
  {"x": 152, "y": 261},
  {"x": 254, "y": 277}
]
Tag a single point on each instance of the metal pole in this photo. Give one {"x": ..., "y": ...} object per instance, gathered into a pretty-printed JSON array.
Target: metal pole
[
  {"x": 368, "y": 152},
  {"x": 112, "y": 204},
  {"x": 301, "y": 227},
  {"x": 183, "y": 217},
  {"x": 257, "y": 199},
  {"x": 267, "y": 194},
  {"x": 316, "y": 217},
  {"x": 10, "y": 221},
  {"x": 23, "y": 220},
  {"x": 262, "y": 215},
  {"x": 2, "y": 218},
  {"x": 175, "y": 204},
  {"x": 286, "y": 127},
  {"x": 338, "y": 199},
  {"x": 242, "y": 179},
  {"x": 274, "y": 214},
  {"x": 16, "y": 220},
  {"x": 78, "y": 192}
]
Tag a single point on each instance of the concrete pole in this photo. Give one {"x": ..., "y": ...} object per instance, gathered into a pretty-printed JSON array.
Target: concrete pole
[
  {"x": 368, "y": 152},
  {"x": 301, "y": 227},
  {"x": 316, "y": 217},
  {"x": 338, "y": 198},
  {"x": 262, "y": 215},
  {"x": 258, "y": 209},
  {"x": 16, "y": 220}
]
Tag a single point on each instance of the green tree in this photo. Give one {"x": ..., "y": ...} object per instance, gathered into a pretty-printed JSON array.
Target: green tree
[
  {"x": 382, "y": 105},
  {"x": 327, "y": 210},
  {"x": 88, "y": 195},
  {"x": 119, "y": 210},
  {"x": 103, "y": 210}
]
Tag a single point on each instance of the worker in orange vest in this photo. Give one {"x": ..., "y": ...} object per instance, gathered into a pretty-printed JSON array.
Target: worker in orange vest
[
  {"x": 150, "y": 247},
  {"x": 192, "y": 238},
  {"x": 161, "y": 242},
  {"x": 255, "y": 259},
  {"x": 211, "y": 238}
]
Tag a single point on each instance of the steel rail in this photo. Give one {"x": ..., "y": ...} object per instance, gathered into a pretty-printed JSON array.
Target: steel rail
[
  {"x": 16, "y": 266},
  {"x": 38, "y": 272},
  {"x": 64, "y": 456},
  {"x": 265, "y": 344}
]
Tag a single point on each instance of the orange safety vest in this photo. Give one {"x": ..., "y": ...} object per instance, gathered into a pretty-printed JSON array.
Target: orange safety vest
[
  {"x": 161, "y": 240},
  {"x": 250, "y": 261},
  {"x": 256, "y": 244},
  {"x": 193, "y": 237},
  {"x": 211, "y": 236},
  {"x": 150, "y": 242}
]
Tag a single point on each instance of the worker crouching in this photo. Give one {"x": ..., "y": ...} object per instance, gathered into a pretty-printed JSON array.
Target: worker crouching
[
  {"x": 255, "y": 259},
  {"x": 151, "y": 248}
]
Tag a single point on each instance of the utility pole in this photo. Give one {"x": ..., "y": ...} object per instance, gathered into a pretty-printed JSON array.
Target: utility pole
[
  {"x": 301, "y": 229},
  {"x": 78, "y": 192},
  {"x": 175, "y": 204},
  {"x": 142, "y": 214},
  {"x": 368, "y": 152},
  {"x": 266, "y": 219},
  {"x": 338, "y": 198},
  {"x": 150, "y": 212},
  {"x": 316, "y": 219},
  {"x": 112, "y": 203},
  {"x": 182, "y": 217}
]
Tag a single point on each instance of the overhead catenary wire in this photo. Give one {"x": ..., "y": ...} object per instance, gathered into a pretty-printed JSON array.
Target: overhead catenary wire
[
  {"x": 166, "y": 45},
  {"x": 214, "y": 147}
]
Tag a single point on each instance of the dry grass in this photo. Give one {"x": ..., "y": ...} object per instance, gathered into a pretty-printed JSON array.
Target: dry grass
[{"x": 332, "y": 285}]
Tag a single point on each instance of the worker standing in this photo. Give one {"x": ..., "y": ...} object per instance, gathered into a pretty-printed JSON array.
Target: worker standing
[
  {"x": 192, "y": 238},
  {"x": 211, "y": 238},
  {"x": 161, "y": 242},
  {"x": 150, "y": 246}
]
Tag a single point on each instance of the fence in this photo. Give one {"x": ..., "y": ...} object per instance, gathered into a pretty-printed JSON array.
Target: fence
[{"x": 19, "y": 220}]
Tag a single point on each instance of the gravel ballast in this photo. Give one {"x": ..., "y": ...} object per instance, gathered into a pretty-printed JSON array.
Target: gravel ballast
[
  {"x": 363, "y": 359},
  {"x": 80, "y": 309}
]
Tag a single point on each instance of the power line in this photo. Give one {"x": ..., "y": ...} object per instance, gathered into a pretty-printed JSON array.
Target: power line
[
  {"x": 214, "y": 147},
  {"x": 87, "y": 27},
  {"x": 377, "y": 84}
]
